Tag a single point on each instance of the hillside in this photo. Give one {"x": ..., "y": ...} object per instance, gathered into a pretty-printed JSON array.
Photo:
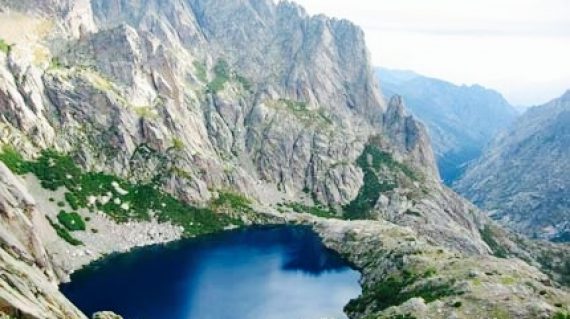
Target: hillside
[
  {"x": 460, "y": 120},
  {"x": 522, "y": 178}
]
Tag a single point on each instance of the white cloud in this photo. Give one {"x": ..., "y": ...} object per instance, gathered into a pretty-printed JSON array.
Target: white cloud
[{"x": 520, "y": 47}]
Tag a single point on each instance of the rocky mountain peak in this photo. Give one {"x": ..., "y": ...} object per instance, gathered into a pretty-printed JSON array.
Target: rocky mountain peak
[{"x": 409, "y": 136}]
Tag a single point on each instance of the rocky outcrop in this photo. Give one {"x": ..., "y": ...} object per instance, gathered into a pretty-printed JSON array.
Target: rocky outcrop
[
  {"x": 461, "y": 120},
  {"x": 28, "y": 281},
  {"x": 405, "y": 277},
  {"x": 522, "y": 179}
]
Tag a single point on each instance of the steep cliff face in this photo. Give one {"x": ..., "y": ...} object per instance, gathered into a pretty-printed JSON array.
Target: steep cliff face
[
  {"x": 461, "y": 120},
  {"x": 28, "y": 285},
  {"x": 522, "y": 179},
  {"x": 201, "y": 80},
  {"x": 271, "y": 94},
  {"x": 170, "y": 108}
]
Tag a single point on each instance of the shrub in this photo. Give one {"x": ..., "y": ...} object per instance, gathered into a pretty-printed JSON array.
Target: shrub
[
  {"x": 200, "y": 69},
  {"x": 71, "y": 221},
  {"x": 395, "y": 290},
  {"x": 222, "y": 76},
  {"x": 372, "y": 187},
  {"x": 72, "y": 200},
  {"x": 488, "y": 237},
  {"x": 64, "y": 234},
  {"x": 14, "y": 161},
  {"x": 5, "y": 47},
  {"x": 561, "y": 315},
  {"x": 313, "y": 210},
  {"x": 54, "y": 170}
]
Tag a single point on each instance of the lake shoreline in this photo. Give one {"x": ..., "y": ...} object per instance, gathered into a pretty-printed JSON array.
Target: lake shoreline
[{"x": 309, "y": 255}]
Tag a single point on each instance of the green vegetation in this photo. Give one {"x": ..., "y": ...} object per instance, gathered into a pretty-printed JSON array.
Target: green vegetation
[
  {"x": 317, "y": 210},
  {"x": 303, "y": 113},
  {"x": 120, "y": 199},
  {"x": 201, "y": 73},
  {"x": 233, "y": 201},
  {"x": 71, "y": 221},
  {"x": 561, "y": 315},
  {"x": 244, "y": 82},
  {"x": 221, "y": 77},
  {"x": 64, "y": 234},
  {"x": 13, "y": 160},
  {"x": 177, "y": 144},
  {"x": 397, "y": 289},
  {"x": 412, "y": 213},
  {"x": 55, "y": 63},
  {"x": 371, "y": 161},
  {"x": 496, "y": 248},
  {"x": 5, "y": 47}
]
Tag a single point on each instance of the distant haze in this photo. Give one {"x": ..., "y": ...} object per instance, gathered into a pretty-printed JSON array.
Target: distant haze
[{"x": 519, "y": 47}]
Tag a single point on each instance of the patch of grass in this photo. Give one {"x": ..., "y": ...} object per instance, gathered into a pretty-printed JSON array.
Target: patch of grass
[
  {"x": 55, "y": 63},
  {"x": 499, "y": 313},
  {"x": 395, "y": 290},
  {"x": 5, "y": 47},
  {"x": 233, "y": 201},
  {"x": 245, "y": 83},
  {"x": 371, "y": 161},
  {"x": 177, "y": 144},
  {"x": 200, "y": 69},
  {"x": 64, "y": 234},
  {"x": 561, "y": 315},
  {"x": 72, "y": 200},
  {"x": 508, "y": 281},
  {"x": 488, "y": 237},
  {"x": 302, "y": 112},
  {"x": 146, "y": 112},
  {"x": 221, "y": 77},
  {"x": 317, "y": 210},
  {"x": 71, "y": 221},
  {"x": 14, "y": 160},
  {"x": 123, "y": 200}
]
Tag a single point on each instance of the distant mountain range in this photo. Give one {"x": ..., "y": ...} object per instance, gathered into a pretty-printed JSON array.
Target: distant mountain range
[
  {"x": 461, "y": 120},
  {"x": 524, "y": 176}
]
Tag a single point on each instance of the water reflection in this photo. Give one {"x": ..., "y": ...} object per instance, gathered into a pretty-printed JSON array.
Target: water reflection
[{"x": 273, "y": 273}]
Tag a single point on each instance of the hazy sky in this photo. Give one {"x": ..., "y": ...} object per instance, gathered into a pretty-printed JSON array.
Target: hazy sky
[{"x": 519, "y": 47}]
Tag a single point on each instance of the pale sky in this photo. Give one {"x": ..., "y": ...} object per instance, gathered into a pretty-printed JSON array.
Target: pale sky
[{"x": 518, "y": 47}]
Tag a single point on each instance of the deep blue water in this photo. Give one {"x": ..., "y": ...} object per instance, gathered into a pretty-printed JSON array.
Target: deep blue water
[{"x": 259, "y": 273}]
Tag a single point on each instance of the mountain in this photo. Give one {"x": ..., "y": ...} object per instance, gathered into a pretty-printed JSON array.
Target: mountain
[
  {"x": 522, "y": 178},
  {"x": 127, "y": 123},
  {"x": 461, "y": 120}
]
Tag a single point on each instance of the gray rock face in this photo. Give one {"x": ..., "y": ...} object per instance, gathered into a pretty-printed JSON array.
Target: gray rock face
[
  {"x": 461, "y": 120},
  {"x": 523, "y": 178},
  {"x": 251, "y": 89},
  {"x": 29, "y": 280}
]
